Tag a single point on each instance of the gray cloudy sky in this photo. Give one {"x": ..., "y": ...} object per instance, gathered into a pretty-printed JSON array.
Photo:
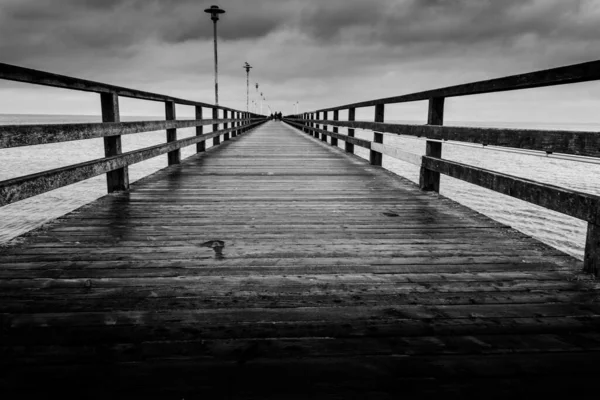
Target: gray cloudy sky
[{"x": 320, "y": 52}]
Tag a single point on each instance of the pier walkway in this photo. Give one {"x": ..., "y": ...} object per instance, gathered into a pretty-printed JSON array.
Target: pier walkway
[{"x": 274, "y": 266}]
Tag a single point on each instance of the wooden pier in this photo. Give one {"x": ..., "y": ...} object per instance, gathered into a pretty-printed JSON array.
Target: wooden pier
[{"x": 275, "y": 266}]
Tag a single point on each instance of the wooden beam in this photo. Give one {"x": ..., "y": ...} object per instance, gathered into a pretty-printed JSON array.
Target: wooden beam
[
  {"x": 174, "y": 156},
  {"x": 215, "y": 114},
  {"x": 355, "y": 141},
  {"x": 584, "y": 72},
  {"x": 116, "y": 180},
  {"x": 336, "y": 117},
  {"x": 36, "y": 77},
  {"x": 375, "y": 157},
  {"x": 584, "y": 143},
  {"x": 430, "y": 180},
  {"x": 351, "y": 118},
  {"x": 13, "y": 190},
  {"x": 225, "y": 126},
  {"x": 570, "y": 202},
  {"x": 200, "y": 146},
  {"x": 324, "y": 127},
  {"x": 31, "y": 135}
]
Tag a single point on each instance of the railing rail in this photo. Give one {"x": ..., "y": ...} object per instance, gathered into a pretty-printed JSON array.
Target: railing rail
[
  {"x": 115, "y": 162},
  {"x": 570, "y": 202}
]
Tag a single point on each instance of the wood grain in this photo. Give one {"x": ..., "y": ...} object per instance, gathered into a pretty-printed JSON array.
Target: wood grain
[{"x": 274, "y": 266}]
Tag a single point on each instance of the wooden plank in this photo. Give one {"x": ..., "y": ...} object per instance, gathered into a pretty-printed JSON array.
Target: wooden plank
[
  {"x": 13, "y": 190},
  {"x": 570, "y": 202},
  {"x": 273, "y": 254},
  {"x": 376, "y": 158},
  {"x": 584, "y": 72}
]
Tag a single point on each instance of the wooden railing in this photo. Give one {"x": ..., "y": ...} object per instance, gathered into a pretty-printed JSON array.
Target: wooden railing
[
  {"x": 115, "y": 162},
  {"x": 576, "y": 204}
]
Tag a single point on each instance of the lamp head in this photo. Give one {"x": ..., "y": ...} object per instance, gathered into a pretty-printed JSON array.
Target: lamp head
[{"x": 214, "y": 12}]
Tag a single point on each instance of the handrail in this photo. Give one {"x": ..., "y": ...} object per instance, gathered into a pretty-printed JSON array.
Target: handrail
[
  {"x": 17, "y": 189},
  {"x": 579, "y": 205},
  {"x": 115, "y": 162},
  {"x": 30, "y": 135},
  {"x": 581, "y": 143},
  {"x": 576, "y": 73},
  {"x": 27, "y": 75}
]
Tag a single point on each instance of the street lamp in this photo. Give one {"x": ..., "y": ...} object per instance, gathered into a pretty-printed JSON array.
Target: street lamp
[
  {"x": 247, "y": 67},
  {"x": 214, "y": 12}
]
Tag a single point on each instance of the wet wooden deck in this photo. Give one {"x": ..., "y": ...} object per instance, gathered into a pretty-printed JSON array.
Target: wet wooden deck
[{"x": 277, "y": 267}]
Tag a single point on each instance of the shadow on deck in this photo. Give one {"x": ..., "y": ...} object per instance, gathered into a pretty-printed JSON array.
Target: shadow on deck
[{"x": 276, "y": 267}]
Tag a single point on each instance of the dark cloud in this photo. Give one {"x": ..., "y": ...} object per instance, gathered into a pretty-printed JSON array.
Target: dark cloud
[
  {"x": 326, "y": 47},
  {"x": 34, "y": 27}
]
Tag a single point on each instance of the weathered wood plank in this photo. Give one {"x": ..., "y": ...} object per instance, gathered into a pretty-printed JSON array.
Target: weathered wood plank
[{"x": 275, "y": 250}]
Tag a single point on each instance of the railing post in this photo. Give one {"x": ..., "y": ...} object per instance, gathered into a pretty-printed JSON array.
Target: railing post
[
  {"x": 200, "y": 147},
  {"x": 336, "y": 117},
  {"x": 324, "y": 136},
  {"x": 234, "y": 123},
  {"x": 351, "y": 117},
  {"x": 429, "y": 180},
  {"x": 175, "y": 155},
  {"x": 215, "y": 115},
  {"x": 306, "y": 130},
  {"x": 376, "y": 158},
  {"x": 119, "y": 178},
  {"x": 591, "y": 258},
  {"x": 319, "y": 126},
  {"x": 225, "y": 126}
]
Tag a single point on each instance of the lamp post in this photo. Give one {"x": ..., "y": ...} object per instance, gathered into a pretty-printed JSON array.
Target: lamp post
[
  {"x": 247, "y": 67},
  {"x": 214, "y": 12},
  {"x": 261, "y": 103}
]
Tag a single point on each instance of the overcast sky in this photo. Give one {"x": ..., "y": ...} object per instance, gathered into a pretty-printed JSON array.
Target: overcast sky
[{"x": 319, "y": 52}]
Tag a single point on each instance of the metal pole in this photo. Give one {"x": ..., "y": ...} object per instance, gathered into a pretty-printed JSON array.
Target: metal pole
[
  {"x": 216, "y": 66},
  {"x": 247, "y": 89}
]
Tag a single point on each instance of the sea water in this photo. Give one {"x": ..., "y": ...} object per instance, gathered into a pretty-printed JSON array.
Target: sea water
[{"x": 558, "y": 230}]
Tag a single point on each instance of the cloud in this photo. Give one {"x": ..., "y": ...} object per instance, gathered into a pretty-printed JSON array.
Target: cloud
[{"x": 337, "y": 51}]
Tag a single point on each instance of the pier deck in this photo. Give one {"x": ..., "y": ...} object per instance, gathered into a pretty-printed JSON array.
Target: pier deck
[{"x": 278, "y": 267}]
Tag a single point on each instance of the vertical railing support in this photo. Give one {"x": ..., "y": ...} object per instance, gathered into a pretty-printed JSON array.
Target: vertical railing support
[
  {"x": 591, "y": 258},
  {"x": 201, "y": 146},
  {"x": 324, "y": 136},
  {"x": 376, "y": 158},
  {"x": 118, "y": 179},
  {"x": 351, "y": 117},
  {"x": 175, "y": 155},
  {"x": 234, "y": 115},
  {"x": 215, "y": 115},
  {"x": 430, "y": 180},
  {"x": 336, "y": 117},
  {"x": 225, "y": 126}
]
